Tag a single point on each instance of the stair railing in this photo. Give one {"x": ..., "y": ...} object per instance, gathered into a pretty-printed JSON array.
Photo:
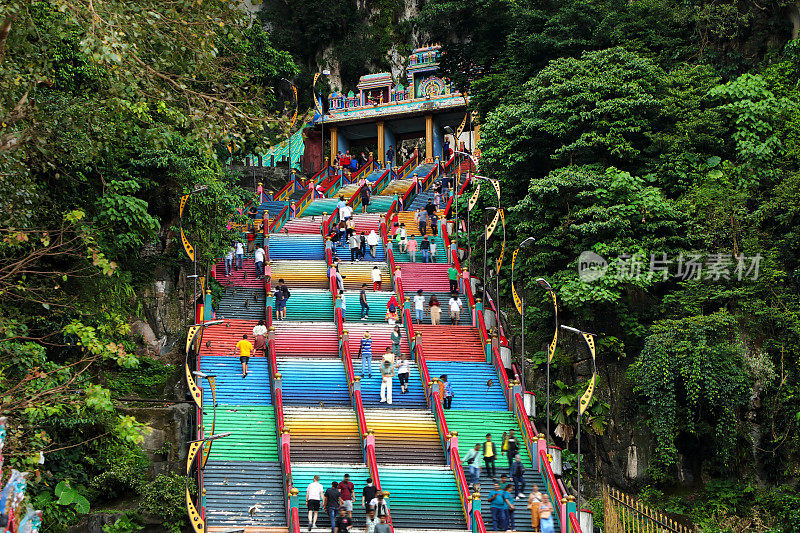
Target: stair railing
[
  {"x": 408, "y": 166},
  {"x": 384, "y": 181}
]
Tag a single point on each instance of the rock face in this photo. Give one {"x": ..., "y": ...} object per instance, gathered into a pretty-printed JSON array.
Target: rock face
[{"x": 164, "y": 322}]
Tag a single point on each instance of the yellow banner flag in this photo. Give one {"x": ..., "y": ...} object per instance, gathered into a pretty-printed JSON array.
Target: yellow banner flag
[
  {"x": 496, "y": 185},
  {"x": 184, "y": 198},
  {"x": 461, "y": 128},
  {"x": 517, "y": 299},
  {"x": 186, "y": 246},
  {"x": 474, "y": 198},
  {"x": 294, "y": 116},
  {"x": 491, "y": 227},
  {"x": 503, "y": 246},
  {"x": 551, "y": 350},
  {"x": 587, "y": 396}
]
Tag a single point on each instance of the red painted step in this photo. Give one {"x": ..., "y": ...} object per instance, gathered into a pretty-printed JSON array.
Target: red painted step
[
  {"x": 430, "y": 277},
  {"x": 364, "y": 222},
  {"x": 245, "y": 277},
  {"x": 451, "y": 343},
  {"x": 221, "y": 339},
  {"x": 303, "y": 339}
]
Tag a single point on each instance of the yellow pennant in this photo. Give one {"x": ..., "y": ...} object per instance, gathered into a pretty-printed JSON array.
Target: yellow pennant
[
  {"x": 503, "y": 246},
  {"x": 517, "y": 300},
  {"x": 186, "y": 246},
  {"x": 551, "y": 349},
  {"x": 587, "y": 396},
  {"x": 474, "y": 198},
  {"x": 294, "y": 117},
  {"x": 490, "y": 229},
  {"x": 184, "y": 199},
  {"x": 317, "y": 101},
  {"x": 460, "y": 129},
  {"x": 496, "y": 185}
]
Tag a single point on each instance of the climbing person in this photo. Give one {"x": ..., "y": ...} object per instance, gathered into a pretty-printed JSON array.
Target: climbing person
[
  {"x": 362, "y": 246},
  {"x": 355, "y": 247},
  {"x": 433, "y": 251},
  {"x": 368, "y": 494},
  {"x": 389, "y": 356},
  {"x": 280, "y": 302},
  {"x": 286, "y": 295},
  {"x": 430, "y": 208},
  {"x": 314, "y": 493},
  {"x": 511, "y": 447},
  {"x": 365, "y": 353},
  {"x": 403, "y": 373},
  {"x": 396, "y": 337},
  {"x": 473, "y": 460},
  {"x": 509, "y": 496},
  {"x": 346, "y": 489},
  {"x": 452, "y": 276},
  {"x": 518, "y": 476},
  {"x": 454, "y": 305},
  {"x": 292, "y": 210},
  {"x": 390, "y": 156},
  {"x": 387, "y": 373},
  {"x": 534, "y": 501},
  {"x": 545, "y": 514},
  {"x": 446, "y": 391},
  {"x": 371, "y": 521},
  {"x": 331, "y": 500},
  {"x": 258, "y": 259},
  {"x": 260, "y": 335},
  {"x": 251, "y": 240},
  {"x": 437, "y": 198},
  {"x": 229, "y": 261},
  {"x": 497, "y": 504},
  {"x": 343, "y": 304},
  {"x": 372, "y": 242},
  {"x": 425, "y": 246},
  {"x": 245, "y": 348},
  {"x": 489, "y": 455},
  {"x": 239, "y": 255},
  {"x": 380, "y": 505},
  {"x": 419, "y": 306},
  {"x": 435, "y": 310},
  {"x": 343, "y": 522},
  {"x": 340, "y": 205},
  {"x": 376, "y": 278},
  {"x": 391, "y": 315},
  {"x": 422, "y": 222},
  {"x": 339, "y": 278},
  {"x": 403, "y": 238},
  {"x": 362, "y": 299},
  {"x": 365, "y": 198},
  {"x": 412, "y": 249},
  {"x": 267, "y": 274}
]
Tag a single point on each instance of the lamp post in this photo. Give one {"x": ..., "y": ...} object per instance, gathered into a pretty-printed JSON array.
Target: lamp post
[
  {"x": 521, "y": 308},
  {"x": 325, "y": 72},
  {"x": 551, "y": 349},
  {"x": 294, "y": 117},
  {"x": 583, "y": 404},
  {"x": 190, "y": 251}
]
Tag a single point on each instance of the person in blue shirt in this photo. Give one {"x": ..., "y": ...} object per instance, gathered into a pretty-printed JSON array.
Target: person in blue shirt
[{"x": 497, "y": 504}]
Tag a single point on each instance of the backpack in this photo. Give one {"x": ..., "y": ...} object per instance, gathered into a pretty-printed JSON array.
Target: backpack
[
  {"x": 286, "y": 293},
  {"x": 392, "y": 308}
]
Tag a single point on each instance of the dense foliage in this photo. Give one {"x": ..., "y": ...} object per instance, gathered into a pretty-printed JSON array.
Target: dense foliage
[
  {"x": 663, "y": 137},
  {"x": 109, "y": 112}
]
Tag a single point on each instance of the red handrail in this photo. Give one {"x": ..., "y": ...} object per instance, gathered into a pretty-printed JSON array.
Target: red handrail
[
  {"x": 402, "y": 172},
  {"x": 479, "y": 525},
  {"x": 575, "y": 527}
]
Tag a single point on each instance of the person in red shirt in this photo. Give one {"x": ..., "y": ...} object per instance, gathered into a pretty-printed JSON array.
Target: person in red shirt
[
  {"x": 346, "y": 489},
  {"x": 251, "y": 241}
]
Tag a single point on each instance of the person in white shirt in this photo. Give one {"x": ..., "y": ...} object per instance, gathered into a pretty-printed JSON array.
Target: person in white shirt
[
  {"x": 455, "y": 308},
  {"x": 239, "y": 254},
  {"x": 403, "y": 239},
  {"x": 372, "y": 242},
  {"x": 341, "y": 203},
  {"x": 258, "y": 256},
  {"x": 376, "y": 278},
  {"x": 314, "y": 494},
  {"x": 433, "y": 251},
  {"x": 403, "y": 373},
  {"x": 229, "y": 261},
  {"x": 419, "y": 305},
  {"x": 346, "y": 212}
]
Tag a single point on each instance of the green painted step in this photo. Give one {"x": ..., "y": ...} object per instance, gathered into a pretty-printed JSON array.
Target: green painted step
[
  {"x": 253, "y": 436},
  {"x": 473, "y": 425},
  {"x": 423, "y": 498}
]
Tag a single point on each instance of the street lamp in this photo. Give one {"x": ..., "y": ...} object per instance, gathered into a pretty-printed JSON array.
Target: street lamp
[
  {"x": 551, "y": 349},
  {"x": 190, "y": 251},
  {"x": 584, "y": 403},
  {"x": 325, "y": 72},
  {"x": 521, "y": 306},
  {"x": 294, "y": 117}
]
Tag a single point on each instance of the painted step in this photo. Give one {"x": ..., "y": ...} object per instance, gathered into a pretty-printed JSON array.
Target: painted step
[
  {"x": 405, "y": 436},
  {"x": 426, "y": 276},
  {"x": 243, "y": 303},
  {"x": 306, "y": 339},
  {"x": 293, "y": 247},
  {"x": 303, "y": 474},
  {"x": 252, "y": 429},
  {"x": 233, "y": 488},
  {"x": 380, "y": 334},
  {"x": 309, "y": 305},
  {"x": 440, "y": 256},
  {"x": 465, "y": 319},
  {"x": 412, "y": 227},
  {"x": 221, "y": 339},
  {"x": 323, "y": 434},
  {"x": 451, "y": 343},
  {"x": 371, "y": 387},
  {"x": 244, "y": 277},
  {"x": 423, "y": 497},
  {"x": 231, "y": 387},
  {"x": 473, "y": 425},
  {"x": 313, "y": 382},
  {"x": 475, "y": 385}
]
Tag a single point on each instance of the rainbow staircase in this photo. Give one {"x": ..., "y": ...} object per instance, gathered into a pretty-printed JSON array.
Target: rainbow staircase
[{"x": 306, "y": 410}]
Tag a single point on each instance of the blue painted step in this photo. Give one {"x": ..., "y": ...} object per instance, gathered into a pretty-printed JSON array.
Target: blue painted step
[
  {"x": 311, "y": 381},
  {"x": 232, "y": 389},
  {"x": 470, "y": 385}
]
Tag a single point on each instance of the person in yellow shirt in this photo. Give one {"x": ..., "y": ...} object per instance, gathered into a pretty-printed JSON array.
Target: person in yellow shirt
[
  {"x": 489, "y": 455},
  {"x": 245, "y": 348}
]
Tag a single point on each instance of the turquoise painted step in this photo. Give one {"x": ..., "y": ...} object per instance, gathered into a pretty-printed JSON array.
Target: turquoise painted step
[
  {"x": 303, "y": 474},
  {"x": 309, "y": 305},
  {"x": 422, "y": 498},
  {"x": 253, "y": 436},
  {"x": 470, "y": 385},
  {"x": 473, "y": 425},
  {"x": 377, "y": 307},
  {"x": 441, "y": 252},
  {"x": 231, "y": 388}
]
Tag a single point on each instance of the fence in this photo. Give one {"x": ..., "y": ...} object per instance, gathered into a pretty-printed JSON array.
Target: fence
[{"x": 626, "y": 514}]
